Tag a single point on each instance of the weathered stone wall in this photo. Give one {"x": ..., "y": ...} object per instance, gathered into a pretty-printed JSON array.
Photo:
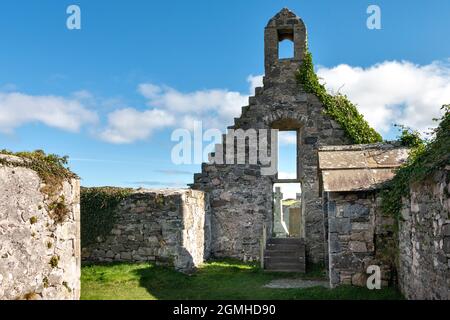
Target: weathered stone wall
[
  {"x": 168, "y": 227},
  {"x": 424, "y": 238},
  {"x": 241, "y": 197},
  {"x": 39, "y": 257},
  {"x": 358, "y": 233}
]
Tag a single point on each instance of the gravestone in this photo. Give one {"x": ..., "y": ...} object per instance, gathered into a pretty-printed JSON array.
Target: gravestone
[{"x": 279, "y": 227}]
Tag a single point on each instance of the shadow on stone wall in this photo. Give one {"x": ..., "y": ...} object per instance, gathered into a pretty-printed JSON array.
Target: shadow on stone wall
[{"x": 165, "y": 227}]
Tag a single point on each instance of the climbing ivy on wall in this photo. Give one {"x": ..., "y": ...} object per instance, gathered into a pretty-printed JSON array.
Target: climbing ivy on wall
[
  {"x": 338, "y": 106},
  {"x": 424, "y": 159},
  {"x": 98, "y": 211}
]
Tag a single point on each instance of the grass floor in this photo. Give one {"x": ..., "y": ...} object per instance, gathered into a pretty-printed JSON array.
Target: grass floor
[{"x": 214, "y": 280}]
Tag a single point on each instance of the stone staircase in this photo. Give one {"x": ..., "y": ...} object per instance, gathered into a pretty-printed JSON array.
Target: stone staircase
[{"x": 285, "y": 255}]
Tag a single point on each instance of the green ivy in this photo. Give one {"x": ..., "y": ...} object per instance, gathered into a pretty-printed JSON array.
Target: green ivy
[
  {"x": 409, "y": 138},
  {"x": 424, "y": 159},
  {"x": 338, "y": 106},
  {"x": 98, "y": 211}
]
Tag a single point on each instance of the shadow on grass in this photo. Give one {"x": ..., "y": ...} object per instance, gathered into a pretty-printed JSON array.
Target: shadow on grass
[
  {"x": 235, "y": 280},
  {"x": 219, "y": 280}
]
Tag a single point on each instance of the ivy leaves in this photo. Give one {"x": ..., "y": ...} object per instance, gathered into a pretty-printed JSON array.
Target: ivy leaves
[
  {"x": 98, "y": 214},
  {"x": 338, "y": 107}
]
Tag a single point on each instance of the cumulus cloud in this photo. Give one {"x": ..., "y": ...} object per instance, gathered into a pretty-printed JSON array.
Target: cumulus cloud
[
  {"x": 393, "y": 91},
  {"x": 386, "y": 93},
  {"x": 254, "y": 81},
  {"x": 212, "y": 106},
  {"x": 17, "y": 109},
  {"x": 215, "y": 108},
  {"x": 128, "y": 125}
]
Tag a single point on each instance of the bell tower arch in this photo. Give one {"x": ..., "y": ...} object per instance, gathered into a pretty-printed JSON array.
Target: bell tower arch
[{"x": 285, "y": 25}]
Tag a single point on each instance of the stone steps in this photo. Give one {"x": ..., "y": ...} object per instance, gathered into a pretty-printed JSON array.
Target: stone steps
[
  {"x": 297, "y": 241},
  {"x": 285, "y": 255},
  {"x": 282, "y": 253}
]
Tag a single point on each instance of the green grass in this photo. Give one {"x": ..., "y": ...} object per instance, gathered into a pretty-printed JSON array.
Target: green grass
[{"x": 221, "y": 280}]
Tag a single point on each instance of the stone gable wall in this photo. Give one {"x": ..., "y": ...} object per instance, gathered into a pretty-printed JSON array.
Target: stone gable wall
[
  {"x": 424, "y": 262},
  {"x": 241, "y": 197},
  {"x": 167, "y": 227},
  {"x": 39, "y": 258}
]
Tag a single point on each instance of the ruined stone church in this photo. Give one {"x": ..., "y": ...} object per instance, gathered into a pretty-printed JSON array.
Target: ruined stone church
[
  {"x": 236, "y": 210},
  {"x": 241, "y": 198}
]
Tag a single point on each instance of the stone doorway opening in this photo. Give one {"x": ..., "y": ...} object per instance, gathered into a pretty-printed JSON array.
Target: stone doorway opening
[
  {"x": 287, "y": 210},
  {"x": 287, "y": 187}
]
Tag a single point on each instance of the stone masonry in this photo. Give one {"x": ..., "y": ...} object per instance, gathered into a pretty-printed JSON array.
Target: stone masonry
[
  {"x": 355, "y": 224},
  {"x": 39, "y": 257},
  {"x": 240, "y": 195},
  {"x": 359, "y": 234},
  {"x": 424, "y": 239},
  {"x": 168, "y": 227}
]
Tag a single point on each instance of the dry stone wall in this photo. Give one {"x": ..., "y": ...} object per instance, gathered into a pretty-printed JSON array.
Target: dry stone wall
[
  {"x": 167, "y": 227},
  {"x": 39, "y": 257},
  {"x": 424, "y": 239}
]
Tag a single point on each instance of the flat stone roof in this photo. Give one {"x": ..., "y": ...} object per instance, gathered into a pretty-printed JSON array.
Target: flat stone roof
[{"x": 359, "y": 167}]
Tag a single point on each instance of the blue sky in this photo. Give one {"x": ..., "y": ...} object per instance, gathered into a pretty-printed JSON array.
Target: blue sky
[{"x": 136, "y": 56}]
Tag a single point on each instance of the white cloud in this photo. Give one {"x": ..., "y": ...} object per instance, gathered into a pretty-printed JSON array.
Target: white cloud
[
  {"x": 17, "y": 109},
  {"x": 128, "y": 125},
  {"x": 289, "y": 190},
  {"x": 287, "y": 138},
  {"x": 286, "y": 175},
  {"x": 215, "y": 105},
  {"x": 215, "y": 108},
  {"x": 254, "y": 81},
  {"x": 386, "y": 93},
  {"x": 393, "y": 92}
]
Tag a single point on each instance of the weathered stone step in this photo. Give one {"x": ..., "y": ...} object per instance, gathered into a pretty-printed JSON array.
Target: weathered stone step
[
  {"x": 285, "y": 247},
  {"x": 285, "y": 241},
  {"x": 289, "y": 259},
  {"x": 284, "y": 253},
  {"x": 284, "y": 266}
]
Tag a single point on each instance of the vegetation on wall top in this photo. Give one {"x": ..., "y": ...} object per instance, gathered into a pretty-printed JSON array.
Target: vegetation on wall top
[
  {"x": 50, "y": 167},
  {"x": 98, "y": 211},
  {"x": 424, "y": 159},
  {"x": 338, "y": 106},
  {"x": 53, "y": 171}
]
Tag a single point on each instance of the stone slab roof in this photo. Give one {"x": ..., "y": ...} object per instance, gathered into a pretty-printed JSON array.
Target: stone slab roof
[{"x": 359, "y": 167}]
